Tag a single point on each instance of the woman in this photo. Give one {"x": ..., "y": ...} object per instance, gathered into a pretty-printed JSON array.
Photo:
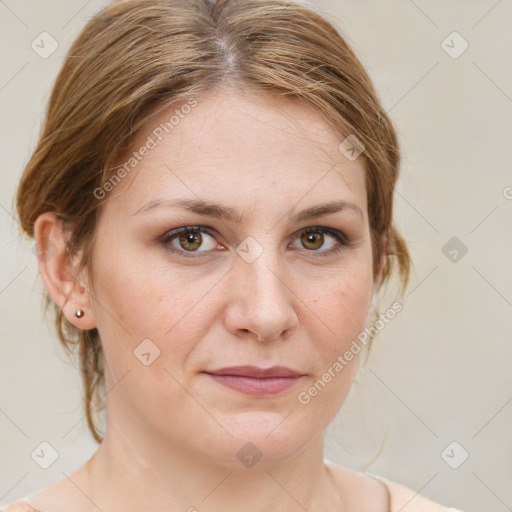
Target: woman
[{"x": 212, "y": 202}]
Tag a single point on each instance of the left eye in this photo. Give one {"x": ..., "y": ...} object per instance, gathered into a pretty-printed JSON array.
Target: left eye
[{"x": 316, "y": 238}]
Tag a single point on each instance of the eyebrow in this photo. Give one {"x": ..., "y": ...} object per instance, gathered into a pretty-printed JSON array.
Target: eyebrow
[{"x": 220, "y": 211}]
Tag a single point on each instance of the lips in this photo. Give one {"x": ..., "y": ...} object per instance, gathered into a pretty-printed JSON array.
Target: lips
[
  {"x": 256, "y": 381},
  {"x": 255, "y": 372}
]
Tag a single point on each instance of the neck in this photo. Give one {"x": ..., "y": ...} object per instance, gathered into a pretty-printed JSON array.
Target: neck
[{"x": 147, "y": 473}]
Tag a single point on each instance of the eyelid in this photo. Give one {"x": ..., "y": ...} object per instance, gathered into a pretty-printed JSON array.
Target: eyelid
[{"x": 336, "y": 233}]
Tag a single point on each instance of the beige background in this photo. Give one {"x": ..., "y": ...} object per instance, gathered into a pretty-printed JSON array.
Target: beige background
[{"x": 439, "y": 372}]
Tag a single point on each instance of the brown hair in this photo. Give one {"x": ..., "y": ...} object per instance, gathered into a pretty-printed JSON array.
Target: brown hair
[{"x": 137, "y": 57}]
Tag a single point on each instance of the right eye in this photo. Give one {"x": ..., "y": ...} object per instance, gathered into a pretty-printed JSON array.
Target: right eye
[{"x": 190, "y": 239}]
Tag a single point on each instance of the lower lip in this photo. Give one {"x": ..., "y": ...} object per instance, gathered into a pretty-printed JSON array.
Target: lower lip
[{"x": 256, "y": 386}]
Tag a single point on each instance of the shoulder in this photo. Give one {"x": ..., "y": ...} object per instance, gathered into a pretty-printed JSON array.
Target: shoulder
[
  {"x": 404, "y": 499},
  {"x": 61, "y": 496},
  {"x": 19, "y": 506},
  {"x": 374, "y": 493},
  {"x": 361, "y": 491}
]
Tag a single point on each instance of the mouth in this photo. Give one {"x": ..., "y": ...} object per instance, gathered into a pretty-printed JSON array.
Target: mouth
[{"x": 255, "y": 381}]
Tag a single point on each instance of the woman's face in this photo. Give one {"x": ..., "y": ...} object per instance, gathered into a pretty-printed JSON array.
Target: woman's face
[{"x": 275, "y": 271}]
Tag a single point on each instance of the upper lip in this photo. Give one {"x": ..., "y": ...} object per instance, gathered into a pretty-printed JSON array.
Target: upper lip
[{"x": 256, "y": 372}]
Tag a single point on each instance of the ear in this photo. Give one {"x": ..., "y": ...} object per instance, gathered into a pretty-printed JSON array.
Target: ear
[{"x": 58, "y": 270}]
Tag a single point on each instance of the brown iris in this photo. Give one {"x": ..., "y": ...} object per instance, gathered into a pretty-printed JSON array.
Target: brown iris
[
  {"x": 191, "y": 240},
  {"x": 312, "y": 240}
]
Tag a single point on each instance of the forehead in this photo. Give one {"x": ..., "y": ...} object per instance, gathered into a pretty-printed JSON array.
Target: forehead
[{"x": 240, "y": 147}]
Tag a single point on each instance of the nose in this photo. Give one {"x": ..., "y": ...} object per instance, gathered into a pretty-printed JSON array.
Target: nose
[{"x": 260, "y": 301}]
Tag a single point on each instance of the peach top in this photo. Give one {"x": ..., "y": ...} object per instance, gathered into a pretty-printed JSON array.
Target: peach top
[{"x": 402, "y": 499}]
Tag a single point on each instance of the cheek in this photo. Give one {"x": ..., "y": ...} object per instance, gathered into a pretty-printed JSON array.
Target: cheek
[
  {"x": 150, "y": 301},
  {"x": 136, "y": 304},
  {"x": 341, "y": 304},
  {"x": 139, "y": 292},
  {"x": 338, "y": 313}
]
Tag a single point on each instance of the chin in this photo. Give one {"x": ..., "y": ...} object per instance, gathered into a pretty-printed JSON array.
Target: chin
[{"x": 259, "y": 439}]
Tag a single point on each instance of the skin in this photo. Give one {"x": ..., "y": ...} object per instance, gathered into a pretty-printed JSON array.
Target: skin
[{"x": 173, "y": 430}]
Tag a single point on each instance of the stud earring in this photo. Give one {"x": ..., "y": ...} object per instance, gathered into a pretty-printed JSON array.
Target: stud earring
[{"x": 79, "y": 313}]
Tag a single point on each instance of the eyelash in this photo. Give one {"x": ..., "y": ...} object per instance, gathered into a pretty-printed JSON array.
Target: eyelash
[{"x": 343, "y": 241}]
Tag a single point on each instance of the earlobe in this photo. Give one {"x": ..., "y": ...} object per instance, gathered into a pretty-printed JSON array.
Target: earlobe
[{"x": 58, "y": 269}]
